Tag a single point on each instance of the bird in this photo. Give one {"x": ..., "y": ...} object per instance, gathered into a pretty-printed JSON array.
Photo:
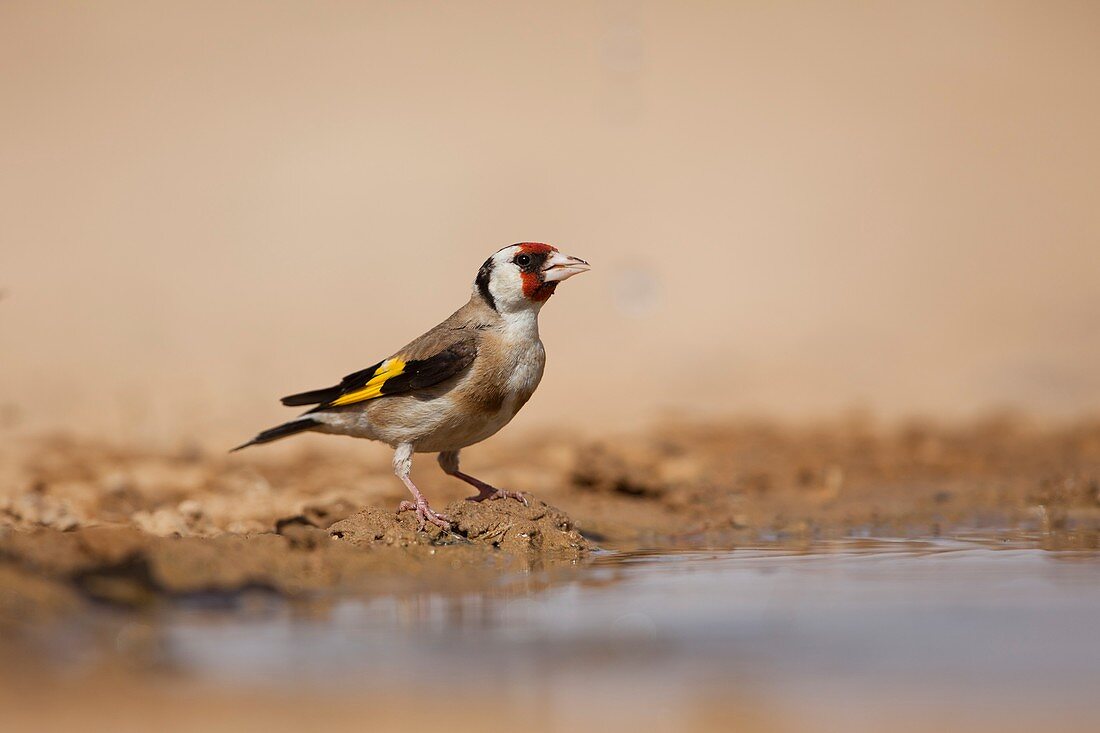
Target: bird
[{"x": 456, "y": 385}]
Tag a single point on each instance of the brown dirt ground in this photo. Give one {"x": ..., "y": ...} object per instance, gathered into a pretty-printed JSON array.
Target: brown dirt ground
[{"x": 84, "y": 521}]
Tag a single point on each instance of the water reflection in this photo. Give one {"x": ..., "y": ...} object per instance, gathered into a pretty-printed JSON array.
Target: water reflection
[
  {"x": 769, "y": 607},
  {"x": 853, "y": 631}
]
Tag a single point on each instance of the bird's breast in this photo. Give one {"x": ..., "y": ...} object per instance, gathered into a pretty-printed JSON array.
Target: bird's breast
[
  {"x": 502, "y": 381},
  {"x": 526, "y": 375}
]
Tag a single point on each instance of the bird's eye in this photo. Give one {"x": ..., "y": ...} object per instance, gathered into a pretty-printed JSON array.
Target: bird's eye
[{"x": 523, "y": 260}]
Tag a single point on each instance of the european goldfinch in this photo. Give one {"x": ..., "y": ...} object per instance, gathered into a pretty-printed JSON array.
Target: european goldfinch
[{"x": 456, "y": 385}]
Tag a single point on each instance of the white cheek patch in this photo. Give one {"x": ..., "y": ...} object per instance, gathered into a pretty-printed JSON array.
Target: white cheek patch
[
  {"x": 506, "y": 286},
  {"x": 506, "y": 283}
]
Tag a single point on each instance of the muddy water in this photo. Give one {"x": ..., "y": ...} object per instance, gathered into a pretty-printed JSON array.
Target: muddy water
[{"x": 851, "y": 635}]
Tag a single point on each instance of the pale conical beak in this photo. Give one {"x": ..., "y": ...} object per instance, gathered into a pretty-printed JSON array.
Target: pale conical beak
[{"x": 560, "y": 267}]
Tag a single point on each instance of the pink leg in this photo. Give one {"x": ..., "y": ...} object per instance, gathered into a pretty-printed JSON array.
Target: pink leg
[
  {"x": 485, "y": 491},
  {"x": 402, "y": 466},
  {"x": 448, "y": 461}
]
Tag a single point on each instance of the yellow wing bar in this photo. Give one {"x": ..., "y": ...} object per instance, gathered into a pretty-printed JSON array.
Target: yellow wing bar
[{"x": 389, "y": 369}]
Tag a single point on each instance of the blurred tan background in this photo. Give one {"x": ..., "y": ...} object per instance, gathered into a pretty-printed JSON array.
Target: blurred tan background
[{"x": 791, "y": 208}]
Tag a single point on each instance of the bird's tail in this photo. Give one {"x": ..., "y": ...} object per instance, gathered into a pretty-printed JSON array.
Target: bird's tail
[{"x": 281, "y": 431}]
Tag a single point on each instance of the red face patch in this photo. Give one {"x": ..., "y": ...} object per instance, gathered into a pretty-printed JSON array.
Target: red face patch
[
  {"x": 534, "y": 287},
  {"x": 536, "y": 248}
]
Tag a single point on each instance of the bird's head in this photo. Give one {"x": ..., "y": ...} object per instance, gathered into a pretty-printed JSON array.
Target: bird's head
[{"x": 523, "y": 276}]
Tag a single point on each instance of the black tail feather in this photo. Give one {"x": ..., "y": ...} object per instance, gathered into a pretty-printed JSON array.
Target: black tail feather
[
  {"x": 281, "y": 431},
  {"x": 316, "y": 397}
]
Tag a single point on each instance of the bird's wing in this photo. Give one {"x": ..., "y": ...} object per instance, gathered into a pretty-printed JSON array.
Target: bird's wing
[{"x": 433, "y": 358}]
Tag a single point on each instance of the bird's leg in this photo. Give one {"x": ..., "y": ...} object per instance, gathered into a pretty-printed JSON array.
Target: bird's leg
[
  {"x": 402, "y": 467},
  {"x": 448, "y": 461}
]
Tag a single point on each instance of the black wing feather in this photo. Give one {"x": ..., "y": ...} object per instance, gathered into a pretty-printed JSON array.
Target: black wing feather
[
  {"x": 350, "y": 383},
  {"x": 417, "y": 374},
  {"x": 423, "y": 373}
]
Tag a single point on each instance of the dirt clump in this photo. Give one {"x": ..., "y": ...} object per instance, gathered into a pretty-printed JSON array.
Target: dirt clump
[{"x": 504, "y": 524}]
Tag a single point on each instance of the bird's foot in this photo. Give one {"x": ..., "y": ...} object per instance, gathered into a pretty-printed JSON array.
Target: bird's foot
[
  {"x": 425, "y": 514},
  {"x": 492, "y": 494}
]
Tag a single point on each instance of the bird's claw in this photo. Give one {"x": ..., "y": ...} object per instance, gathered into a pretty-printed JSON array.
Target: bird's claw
[
  {"x": 500, "y": 494},
  {"x": 425, "y": 514}
]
